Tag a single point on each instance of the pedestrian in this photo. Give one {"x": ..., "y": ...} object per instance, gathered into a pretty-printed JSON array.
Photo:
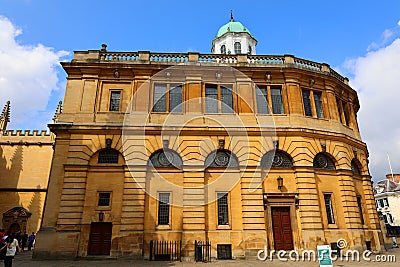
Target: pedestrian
[
  {"x": 31, "y": 239},
  {"x": 24, "y": 240},
  {"x": 11, "y": 247}
]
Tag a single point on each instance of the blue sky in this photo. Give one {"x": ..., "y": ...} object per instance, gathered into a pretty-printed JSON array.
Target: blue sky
[{"x": 354, "y": 37}]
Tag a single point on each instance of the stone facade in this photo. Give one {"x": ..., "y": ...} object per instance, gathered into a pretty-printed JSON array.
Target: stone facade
[
  {"x": 25, "y": 160},
  {"x": 327, "y": 161}
]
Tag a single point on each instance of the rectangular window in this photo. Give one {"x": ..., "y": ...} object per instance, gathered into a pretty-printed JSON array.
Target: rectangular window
[
  {"x": 360, "y": 209},
  {"x": 381, "y": 203},
  {"x": 219, "y": 99},
  {"x": 385, "y": 200},
  {"x": 104, "y": 199},
  {"x": 160, "y": 98},
  {"x": 226, "y": 100},
  {"x": 339, "y": 106},
  {"x": 346, "y": 113},
  {"x": 329, "y": 208},
  {"x": 262, "y": 100},
  {"x": 318, "y": 104},
  {"x": 167, "y": 98},
  {"x": 175, "y": 98},
  {"x": 307, "y": 103},
  {"x": 163, "y": 208},
  {"x": 224, "y": 251},
  {"x": 223, "y": 209},
  {"x": 276, "y": 97},
  {"x": 115, "y": 99}
]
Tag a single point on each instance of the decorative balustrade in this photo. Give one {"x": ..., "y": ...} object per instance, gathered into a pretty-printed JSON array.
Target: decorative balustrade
[
  {"x": 168, "y": 58},
  {"x": 178, "y": 58},
  {"x": 266, "y": 60},
  {"x": 119, "y": 56},
  {"x": 307, "y": 65},
  {"x": 218, "y": 58}
]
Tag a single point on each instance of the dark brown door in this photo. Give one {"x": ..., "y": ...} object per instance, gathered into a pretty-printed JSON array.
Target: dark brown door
[
  {"x": 100, "y": 238},
  {"x": 282, "y": 228}
]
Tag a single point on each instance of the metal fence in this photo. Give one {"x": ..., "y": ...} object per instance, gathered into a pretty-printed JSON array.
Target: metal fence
[
  {"x": 165, "y": 250},
  {"x": 202, "y": 251}
]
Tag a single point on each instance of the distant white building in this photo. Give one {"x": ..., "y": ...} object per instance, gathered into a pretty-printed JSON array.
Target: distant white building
[
  {"x": 233, "y": 38},
  {"x": 387, "y": 197}
]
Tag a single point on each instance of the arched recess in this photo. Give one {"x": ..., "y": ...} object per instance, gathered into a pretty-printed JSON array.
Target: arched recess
[
  {"x": 276, "y": 159},
  {"x": 221, "y": 158},
  {"x": 165, "y": 158},
  {"x": 16, "y": 219},
  {"x": 356, "y": 167},
  {"x": 324, "y": 161}
]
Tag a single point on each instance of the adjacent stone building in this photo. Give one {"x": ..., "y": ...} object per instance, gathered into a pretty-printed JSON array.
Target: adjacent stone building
[
  {"x": 25, "y": 160},
  {"x": 239, "y": 150}
]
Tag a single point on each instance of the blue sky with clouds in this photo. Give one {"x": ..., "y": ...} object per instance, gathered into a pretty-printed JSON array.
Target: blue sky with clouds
[{"x": 358, "y": 38}]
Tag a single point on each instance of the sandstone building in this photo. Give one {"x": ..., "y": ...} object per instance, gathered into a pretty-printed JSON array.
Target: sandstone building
[
  {"x": 236, "y": 149},
  {"x": 25, "y": 160}
]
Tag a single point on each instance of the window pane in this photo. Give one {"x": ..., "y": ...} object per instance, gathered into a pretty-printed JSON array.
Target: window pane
[
  {"x": 226, "y": 100},
  {"x": 318, "y": 104},
  {"x": 163, "y": 208},
  {"x": 115, "y": 100},
  {"x": 175, "y": 99},
  {"x": 277, "y": 105},
  {"x": 222, "y": 208},
  {"x": 329, "y": 209},
  {"x": 360, "y": 209},
  {"x": 339, "y": 107},
  {"x": 238, "y": 48},
  {"x": 211, "y": 99},
  {"x": 223, "y": 49},
  {"x": 262, "y": 100},
  {"x": 160, "y": 98},
  {"x": 104, "y": 199},
  {"x": 307, "y": 103},
  {"x": 108, "y": 156},
  {"x": 346, "y": 113}
]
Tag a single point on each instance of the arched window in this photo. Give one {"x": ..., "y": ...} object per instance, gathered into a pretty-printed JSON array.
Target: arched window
[
  {"x": 223, "y": 49},
  {"x": 108, "y": 155},
  {"x": 323, "y": 161},
  {"x": 238, "y": 48},
  {"x": 276, "y": 159},
  {"x": 355, "y": 167},
  {"x": 165, "y": 158},
  {"x": 221, "y": 159},
  {"x": 249, "y": 50}
]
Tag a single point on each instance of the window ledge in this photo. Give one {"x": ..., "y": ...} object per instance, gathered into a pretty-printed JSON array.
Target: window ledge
[
  {"x": 163, "y": 227},
  {"x": 333, "y": 226},
  {"x": 224, "y": 227}
]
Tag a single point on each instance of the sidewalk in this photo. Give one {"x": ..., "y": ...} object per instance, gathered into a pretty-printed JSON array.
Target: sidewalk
[{"x": 24, "y": 260}]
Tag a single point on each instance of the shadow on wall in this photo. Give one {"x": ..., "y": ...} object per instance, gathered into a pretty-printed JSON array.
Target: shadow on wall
[
  {"x": 35, "y": 208},
  {"x": 9, "y": 178}
]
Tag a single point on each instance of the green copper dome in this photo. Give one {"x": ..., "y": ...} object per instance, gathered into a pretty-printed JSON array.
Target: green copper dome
[{"x": 233, "y": 26}]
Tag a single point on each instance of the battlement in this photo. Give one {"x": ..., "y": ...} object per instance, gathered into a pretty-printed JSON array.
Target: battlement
[{"x": 26, "y": 133}]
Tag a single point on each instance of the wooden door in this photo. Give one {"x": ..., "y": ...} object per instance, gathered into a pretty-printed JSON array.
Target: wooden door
[
  {"x": 282, "y": 229},
  {"x": 100, "y": 238}
]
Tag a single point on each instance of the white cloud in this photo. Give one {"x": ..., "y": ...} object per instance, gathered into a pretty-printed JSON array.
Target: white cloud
[
  {"x": 28, "y": 76},
  {"x": 376, "y": 77}
]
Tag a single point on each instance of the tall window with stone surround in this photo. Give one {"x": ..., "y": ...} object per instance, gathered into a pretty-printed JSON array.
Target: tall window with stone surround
[
  {"x": 222, "y": 208},
  {"x": 163, "y": 208},
  {"x": 238, "y": 48},
  {"x": 329, "y": 208},
  {"x": 115, "y": 99}
]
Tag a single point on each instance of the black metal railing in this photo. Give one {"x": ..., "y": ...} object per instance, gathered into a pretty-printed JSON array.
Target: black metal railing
[
  {"x": 165, "y": 250},
  {"x": 202, "y": 251}
]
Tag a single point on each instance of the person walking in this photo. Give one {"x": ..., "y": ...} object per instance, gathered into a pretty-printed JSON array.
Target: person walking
[
  {"x": 12, "y": 247},
  {"x": 24, "y": 240},
  {"x": 31, "y": 239}
]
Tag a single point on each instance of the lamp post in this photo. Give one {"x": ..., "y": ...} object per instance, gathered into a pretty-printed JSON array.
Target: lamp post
[{"x": 280, "y": 182}]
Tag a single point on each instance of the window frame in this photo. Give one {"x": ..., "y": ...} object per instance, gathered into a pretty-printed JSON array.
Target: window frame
[
  {"x": 169, "y": 86},
  {"x": 161, "y": 204},
  {"x": 330, "y": 219},
  {"x": 99, "y": 198},
  {"x": 269, "y": 99},
  {"x": 223, "y": 49},
  {"x": 315, "y": 112},
  {"x": 219, "y": 98},
  {"x": 220, "y": 195},
  {"x": 238, "y": 50},
  {"x": 360, "y": 209},
  {"x": 112, "y": 91}
]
